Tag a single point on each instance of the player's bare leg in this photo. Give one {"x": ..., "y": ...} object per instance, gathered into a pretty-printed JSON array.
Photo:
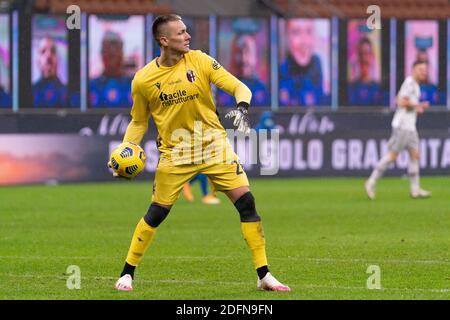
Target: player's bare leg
[
  {"x": 253, "y": 233},
  {"x": 141, "y": 240},
  {"x": 187, "y": 192},
  {"x": 416, "y": 191},
  {"x": 378, "y": 172}
]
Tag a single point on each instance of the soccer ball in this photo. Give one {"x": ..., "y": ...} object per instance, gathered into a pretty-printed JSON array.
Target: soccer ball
[{"x": 127, "y": 160}]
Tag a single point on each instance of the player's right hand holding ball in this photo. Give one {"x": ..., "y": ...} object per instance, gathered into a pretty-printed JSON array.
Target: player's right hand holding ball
[{"x": 115, "y": 174}]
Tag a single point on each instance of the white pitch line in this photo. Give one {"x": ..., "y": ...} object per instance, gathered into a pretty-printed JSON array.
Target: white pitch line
[
  {"x": 371, "y": 261},
  {"x": 382, "y": 289},
  {"x": 114, "y": 279},
  {"x": 203, "y": 258},
  {"x": 228, "y": 283}
]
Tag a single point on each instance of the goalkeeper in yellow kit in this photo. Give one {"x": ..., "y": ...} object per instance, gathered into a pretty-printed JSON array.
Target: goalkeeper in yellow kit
[{"x": 175, "y": 89}]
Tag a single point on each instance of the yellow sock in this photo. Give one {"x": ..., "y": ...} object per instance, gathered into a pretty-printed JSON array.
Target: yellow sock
[
  {"x": 254, "y": 236},
  {"x": 142, "y": 237}
]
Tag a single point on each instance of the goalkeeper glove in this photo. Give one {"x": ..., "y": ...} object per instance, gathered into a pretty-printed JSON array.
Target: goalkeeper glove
[{"x": 240, "y": 115}]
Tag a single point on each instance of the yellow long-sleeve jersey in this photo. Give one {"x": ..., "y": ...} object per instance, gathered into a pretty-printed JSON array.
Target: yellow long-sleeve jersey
[{"x": 180, "y": 97}]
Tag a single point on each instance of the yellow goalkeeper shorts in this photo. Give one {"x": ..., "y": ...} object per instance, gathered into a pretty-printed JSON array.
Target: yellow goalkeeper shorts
[{"x": 170, "y": 178}]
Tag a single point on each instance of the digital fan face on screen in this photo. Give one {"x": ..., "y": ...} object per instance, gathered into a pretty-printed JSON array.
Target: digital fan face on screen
[
  {"x": 116, "y": 52},
  {"x": 304, "y": 52},
  {"x": 5, "y": 62},
  {"x": 364, "y": 86},
  {"x": 363, "y": 51},
  {"x": 49, "y": 67},
  {"x": 243, "y": 49},
  {"x": 198, "y": 29},
  {"x": 422, "y": 43}
]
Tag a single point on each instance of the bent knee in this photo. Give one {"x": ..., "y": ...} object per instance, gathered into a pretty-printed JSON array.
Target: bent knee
[
  {"x": 156, "y": 214},
  {"x": 247, "y": 208},
  {"x": 393, "y": 156}
]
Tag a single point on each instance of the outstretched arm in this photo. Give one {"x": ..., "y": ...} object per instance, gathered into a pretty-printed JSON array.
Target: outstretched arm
[
  {"x": 233, "y": 86},
  {"x": 140, "y": 114}
]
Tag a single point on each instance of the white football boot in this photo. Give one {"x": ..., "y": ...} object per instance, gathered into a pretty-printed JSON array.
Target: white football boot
[
  {"x": 269, "y": 283},
  {"x": 420, "y": 194},
  {"x": 125, "y": 283},
  {"x": 370, "y": 190}
]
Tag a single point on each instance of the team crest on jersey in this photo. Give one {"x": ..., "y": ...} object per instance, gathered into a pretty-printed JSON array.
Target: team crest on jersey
[
  {"x": 216, "y": 65},
  {"x": 190, "y": 75}
]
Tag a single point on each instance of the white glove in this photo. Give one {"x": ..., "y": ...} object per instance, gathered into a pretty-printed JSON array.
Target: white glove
[
  {"x": 115, "y": 174},
  {"x": 240, "y": 115}
]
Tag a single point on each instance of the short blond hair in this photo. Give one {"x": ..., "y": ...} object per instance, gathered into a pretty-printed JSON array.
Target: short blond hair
[{"x": 159, "y": 22}]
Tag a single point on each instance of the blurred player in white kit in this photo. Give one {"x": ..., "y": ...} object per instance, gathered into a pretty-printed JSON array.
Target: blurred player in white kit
[{"x": 404, "y": 133}]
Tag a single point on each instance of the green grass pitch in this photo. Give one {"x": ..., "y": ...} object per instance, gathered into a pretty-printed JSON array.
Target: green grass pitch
[{"x": 322, "y": 235}]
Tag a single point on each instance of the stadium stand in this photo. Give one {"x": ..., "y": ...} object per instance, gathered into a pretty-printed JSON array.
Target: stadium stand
[
  {"x": 102, "y": 7},
  {"x": 402, "y": 9}
]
